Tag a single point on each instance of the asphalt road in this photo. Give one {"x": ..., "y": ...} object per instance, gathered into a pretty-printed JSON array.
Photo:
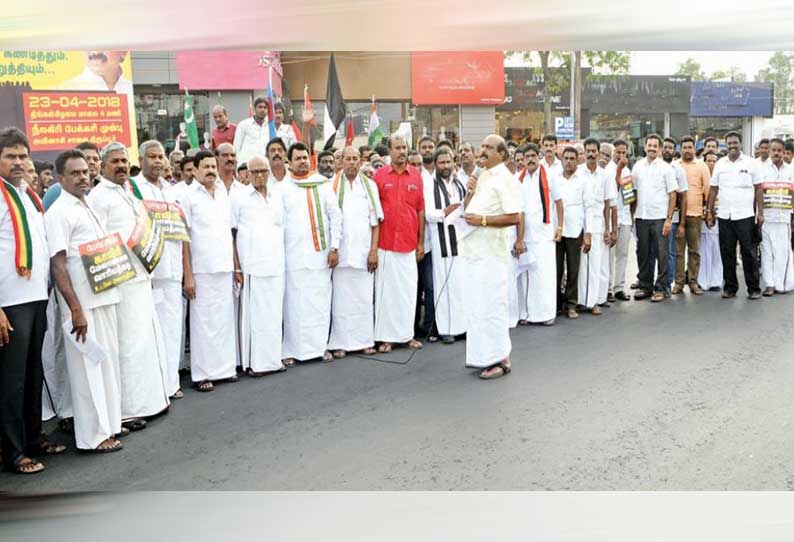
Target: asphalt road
[{"x": 693, "y": 393}]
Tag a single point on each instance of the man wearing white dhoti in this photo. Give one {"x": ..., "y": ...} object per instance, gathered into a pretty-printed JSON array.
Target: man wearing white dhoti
[
  {"x": 167, "y": 276},
  {"x": 352, "y": 312},
  {"x": 258, "y": 231},
  {"x": 544, "y": 215},
  {"x": 777, "y": 264},
  {"x": 96, "y": 398},
  {"x": 143, "y": 366},
  {"x": 493, "y": 203},
  {"x": 710, "y": 274},
  {"x": 313, "y": 230},
  {"x": 619, "y": 173},
  {"x": 400, "y": 246},
  {"x": 208, "y": 263},
  {"x": 443, "y": 195}
]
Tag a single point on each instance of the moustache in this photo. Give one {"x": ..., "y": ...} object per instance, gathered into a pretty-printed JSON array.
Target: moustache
[{"x": 121, "y": 170}]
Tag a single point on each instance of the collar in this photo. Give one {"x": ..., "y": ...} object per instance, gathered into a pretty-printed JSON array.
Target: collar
[
  {"x": 391, "y": 169},
  {"x": 68, "y": 198}
]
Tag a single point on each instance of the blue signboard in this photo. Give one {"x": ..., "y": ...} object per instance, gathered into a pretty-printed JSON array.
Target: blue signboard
[
  {"x": 727, "y": 99},
  {"x": 564, "y": 128}
]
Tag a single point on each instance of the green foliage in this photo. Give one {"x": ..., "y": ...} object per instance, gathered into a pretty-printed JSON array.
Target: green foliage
[
  {"x": 692, "y": 68},
  {"x": 779, "y": 71}
]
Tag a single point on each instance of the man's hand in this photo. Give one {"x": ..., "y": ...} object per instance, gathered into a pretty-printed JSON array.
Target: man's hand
[
  {"x": 372, "y": 260},
  {"x": 668, "y": 225},
  {"x": 709, "y": 219},
  {"x": 558, "y": 234},
  {"x": 189, "y": 288},
  {"x": 519, "y": 248},
  {"x": 613, "y": 239},
  {"x": 238, "y": 278},
  {"x": 451, "y": 209},
  {"x": 420, "y": 252},
  {"x": 680, "y": 231},
  {"x": 587, "y": 242},
  {"x": 5, "y": 329},
  {"x": 623, "y": 163},
  {"x": 333, "y": 258},
  {"x": 79, "y": 325},
  {"x": 759, "y": 218},
  {"x": 607, "y": 237},
  {"x": 472, "y": 219},
  {"x": 471, "y": 184},
  {"x": 307, "y": 115}
]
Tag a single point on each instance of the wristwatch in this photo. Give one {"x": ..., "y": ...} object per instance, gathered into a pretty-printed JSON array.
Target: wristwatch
[{"x": 484, "y": 220}]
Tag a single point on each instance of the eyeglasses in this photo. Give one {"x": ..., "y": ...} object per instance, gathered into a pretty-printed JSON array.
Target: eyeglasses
[{"x": 256, "y": 172}]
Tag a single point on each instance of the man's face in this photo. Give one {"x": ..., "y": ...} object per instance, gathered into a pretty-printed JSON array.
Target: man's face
[
  {"x": 376, "y": 162},
  {"x": 351, "y": 163},
  {"x": 153, "y": 162},
  {"x": 776, "y": 152},
  {"x": 466, "y": 155},
  {"x": 104, "y": 63},
  {"x": 415, "y": 160},
  {"x": 338, "y": 155},
  {"x": 570, "y": 160},
  {"x": 549, "y": 147},
  {"x": 116, "y": 167},
  {"x": 605, "y": 155},
  {"x": 531, "y": 161},
  {"x": 168, "y": 172},
  {"x": 480, "y": 159},
  {"x": 94, "y": 163},
  {"x": 519, "y": 159},
  {"x": 299, "y": 164},
  {"x": 276, "y": 154},
  {"x": 189, "y": 171},
  {"x": 399, "y": 152},
  {"x": 668, "y": 151},
  {"x": 220, "y": 118},
  {"x": 621, "y": 152},
  {"x": 12, "y": 163},
  {"x": 652, "y": 148},
  {"x": 45, "y": 178},
  {"x": 365, "y": 156},
  {"x": 258, "y": 173},
  {"x": 444, "y": 166},
  {"x": 207, "y": 171},
  {"x": 687, "y": 151},
  {"x": 227, "y": 158},
  {"x": 591, "y": 155},
  {"x": 763, "y": 151},
  {"x": 787, "y": 155},
  {"x": 426, "y": 149},
  {"x": 278, "y": 116},
  {"x": 75, "y": 178},
  {"x": 260, "y": 112},
  {"x": 734, "y": 146},
  {"x": 580, "y": 157},
  {"x": 711, "y": 145},
  {"x": 711, "y": 159},
  {"x": 31, "y": 177},
  {"x": 492, "y": 156},
  {"x": 325, "y": 166},
  {"x": 242, "y": 176},
  {"x": 175, "y": 158}
]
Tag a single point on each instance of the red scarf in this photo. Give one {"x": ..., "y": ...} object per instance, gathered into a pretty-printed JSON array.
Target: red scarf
[{"x": 545, "y": 199}]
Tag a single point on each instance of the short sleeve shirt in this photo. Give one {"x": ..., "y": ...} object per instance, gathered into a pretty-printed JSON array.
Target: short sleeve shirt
[
  {"x": 736, "y": 181},
  {"x": 259, "y": 222},
  {"x": 401, "y": 196},
  {"x": 210, "y": 221}
]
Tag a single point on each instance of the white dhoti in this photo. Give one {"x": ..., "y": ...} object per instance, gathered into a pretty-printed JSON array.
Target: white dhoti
[
  {"x": 591, "y": 279},
  {"x": 307, "y": 313},
  {"x": 169, "y": 304},
  {"x": 143, "y": 366},
  {"x": 710, "y": 274},
  {"x": 605, "y": 274},
  {"x": 96, "y": 398},
  {"x": 237, "y": 338},
  {"x": 184, "y": 361},
  {"x": 513, "y": 309},
  {"x": 352, "y": 311},
  {"x": 56, "y": 397},
  {"x": 395, "y": 296},
  {"x": 448, "y": 276},
  {"x": 523, "y": 293},
  {"x": 212, "y": 348},
  {"x": 541, "y": 296},
  {"x": 777, "y": 264},
  {"x": 261, "y": 306},
  {"x": 486, "y": 306}
]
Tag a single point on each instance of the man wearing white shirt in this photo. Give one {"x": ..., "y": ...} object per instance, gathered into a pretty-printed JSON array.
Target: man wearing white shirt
[
  {"x": 656, "y": 187},
  {"x": 143, "y": 366},
  {"x": 70, "y": 223},
  {"x": 426, "y": 324},
  {"x": 253, "y": 133},
  {"x": 277, "y": 159},
  {"x": 467, "y": 167},
  {"x": 777, "y": 264},
  {"x": 735, "y": 180},
  {"x": 258, "y": 231},
  {"x": 353, "y": 324},
  {"x": 167, "y": 276},
  {"x": 576, "y": 233},
  {"x": 283, "y": 130},
  {"x": 618, "y": 172},
  {"x": 313, "y": 230},
  {"x": 550, "y": 161},
  {"x": 208, "y": 263},
  {"x": 678, "y": 230}
]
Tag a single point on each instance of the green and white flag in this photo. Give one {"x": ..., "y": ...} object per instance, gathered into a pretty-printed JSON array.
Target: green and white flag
[
  {"x": 375, "y": 133},
  {"x": 190, "y": 122}
]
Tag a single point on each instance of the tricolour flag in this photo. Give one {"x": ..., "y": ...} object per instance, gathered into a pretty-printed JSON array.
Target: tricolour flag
[
  {"x": 190, "y": 122},
  {"x": 375, "y": 133},
  {"x": 334, "y": 106}
]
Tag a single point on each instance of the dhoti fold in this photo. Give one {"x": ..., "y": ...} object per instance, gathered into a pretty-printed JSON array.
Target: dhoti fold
[
  {"x": 212, "y": 340},
  {"x": 56, "y": 397},
  {"x": 169, "y": 304},
  {"x": 261, "y": 306},
  {"x": 395, "y": 296},
  {"x": 540, "y": 299},
  {"x": 710, "y": 274},
  {"x": 307, "y": 313},
  {"x": 448, "y": 276},
  {"x": 593, "y": 282},
  {"x": 486, "y": 305},
  {"x": 352, "y": 311},
  {"x": 96, "y": 397},
  {"x": 143, "y": 365},
  {"x": 513, "y": 305},
  {"x": 777, "y": 264}
]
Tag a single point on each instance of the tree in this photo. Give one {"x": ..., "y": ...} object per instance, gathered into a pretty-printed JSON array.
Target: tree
[
  {"x": 734, "y": 73},
  {"x": 779, "y": 71},
  {"x": 692, "y": 68}
]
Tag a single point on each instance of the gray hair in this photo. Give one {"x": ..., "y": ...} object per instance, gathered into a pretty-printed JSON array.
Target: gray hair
[
  {"x": 113, "y": 146},
  {"x": 258, "y": 157},
  {"x": 149, "y": 144}
]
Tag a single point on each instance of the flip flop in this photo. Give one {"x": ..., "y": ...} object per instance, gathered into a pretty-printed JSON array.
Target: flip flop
[
  {"x": 205, "y": 386},
  {"x": 118, "y": 446},
  {"x": 369, "y": 351},
  {"x": 384, "y": 348},
  {"x": 339, "y": 354},
  {"x": 506, "y": 370},
  {"x": 51, "y": 448},
  {"x": 135, "y": 425},
  {"x": 178, "y": 394},
  {"x": 32, "y": 466},
  {"x": 289, "y": 362},
  {"x": 413, "y": 344}
]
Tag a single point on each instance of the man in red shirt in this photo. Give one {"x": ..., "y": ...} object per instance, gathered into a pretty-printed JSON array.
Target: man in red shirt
[
  {"x": 224, "y": 131},
  {"x": 401, "y": 246}
]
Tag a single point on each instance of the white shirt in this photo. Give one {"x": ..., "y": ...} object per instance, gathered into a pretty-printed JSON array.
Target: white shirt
[
  {"x": 250, "y": 138},
  {"x": 71, "y": 223},
  {"x": 358, "y": 219},
  {"x": 464, "y": 177},
  {"x": 535, "y": 230},
  {"x": 259, "y": 222},
  {"x": 286, "y": 133},
  {"x": 736, "y": 182},
  {"x": 777, "y": 185},
  {"x": 572, "y": 192},
  {"x": 654, "y": 181},
  {"x": 683, "y": 186},
  {"x": 15, "y": 290},
  {"x": 116, "y": 209},
  {"x": 435, "y": 216},
  {"x": 299, "y": 239},
  {"x": 181, "y": 189},
  {"x": 551, "y": 170},
  {"x": 235, "y": 188},
  {"x": 210, "y": 221},
  {"x": 595, "y": 197},
  {"x": 170, "y": 266},
  {"x": 624, "y": 211}
]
